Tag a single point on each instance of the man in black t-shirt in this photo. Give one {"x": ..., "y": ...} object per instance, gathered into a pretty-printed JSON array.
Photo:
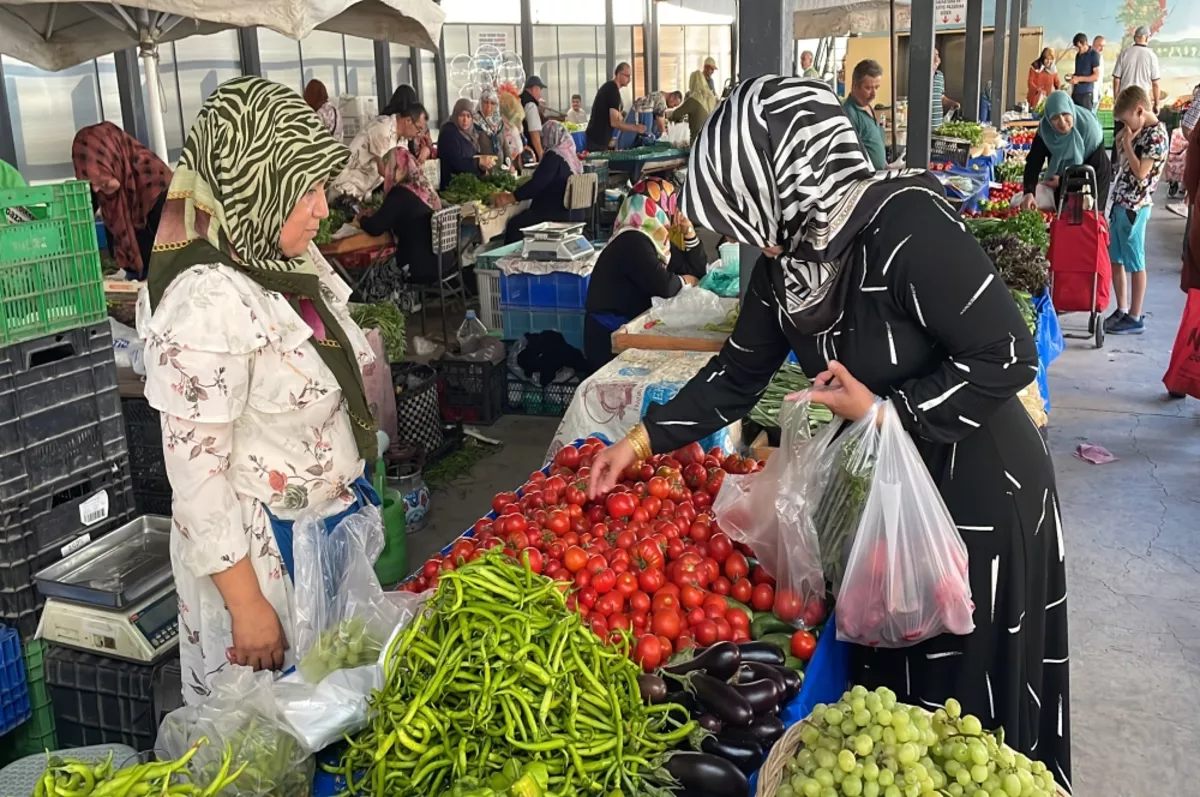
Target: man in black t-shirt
[
  {"x": 1087, "y": 72},
  {"x": 606, "y": 111}
]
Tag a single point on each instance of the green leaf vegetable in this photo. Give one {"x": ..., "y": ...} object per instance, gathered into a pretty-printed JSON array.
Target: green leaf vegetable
[
  {"x": 1025, "y": 305},
  {"x": 787, "y": 380},
  {"x": 1022, "y": 266},
  {"x": 1010, "y": 171},
  {"x": 329, "y": 225},
  {"x": 388, "y": 319},
  {"x": 1028, "y": 225},
  {"x": 970, "y": 131},
  {"x": 842, "y": 502}
]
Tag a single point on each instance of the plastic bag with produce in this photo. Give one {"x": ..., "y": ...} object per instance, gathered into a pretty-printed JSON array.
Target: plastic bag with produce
[
  {"x": 770, "y": 511},
  {"x": 906, "y": 580},
  {"x": 239, "y": 718},
  {"x": 343, "y": 616}
]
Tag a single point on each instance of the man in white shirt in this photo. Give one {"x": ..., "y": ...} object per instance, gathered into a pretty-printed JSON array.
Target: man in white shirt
[
  {"x": 1136, "y": 66},
  {"x": 1098, "y": 86},
  {"x": 577, "y": 116}
]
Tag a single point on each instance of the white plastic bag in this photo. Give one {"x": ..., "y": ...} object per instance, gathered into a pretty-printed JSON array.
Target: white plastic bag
[
  {"x": 691, "y": 307},
  {"x": 770, "y": 512},
  {"x": 906, "y": 580},
  {"x": 240, "y": 714},
  {"x": 343, "y": 616}
]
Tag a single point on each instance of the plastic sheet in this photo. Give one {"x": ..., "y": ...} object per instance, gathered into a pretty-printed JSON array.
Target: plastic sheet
[{"x": 692, "y": 307}]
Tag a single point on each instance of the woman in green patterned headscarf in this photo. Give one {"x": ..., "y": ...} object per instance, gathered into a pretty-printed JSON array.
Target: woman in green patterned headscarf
[{"x": 254, "y": 364}]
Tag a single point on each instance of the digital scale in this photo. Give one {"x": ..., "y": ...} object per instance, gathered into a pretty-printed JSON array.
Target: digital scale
[
  {"x": 556, "y": 240},
  {"x": 115, "y": 597}
]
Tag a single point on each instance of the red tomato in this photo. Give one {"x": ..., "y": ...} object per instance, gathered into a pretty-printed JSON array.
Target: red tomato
[
  {"x": 716, "y": 602},
  {"x": 502, "y": 500},
  {"x": 719, "y": 546},
  {"x": 712, "y": 569},
  {"x": 814, "y": 612},
  {"x": 652, "y": 505},
  {"x": 736, "y": 567},
  {"x": 430, "y": 568},
  {"x": 705, "y": 633},
  {"x": 658, "y": 487},
  {"x": 700, "y": 532},
  {"x": 532, "y": 559},
  {"x": 674, "y": 549},
  {"x": 619, "y": 505},
  {"x": 583, "y": 579},
  {"x": 599, "y": 626},
  {"x": 639, "y": 601},
  {"x": 483, "y": 528},
  {"x": 568, "y": 457},
  {"x": 575, "y": 496},
  {"x": 570, "y": 538},
  {"x": 575, "y": 558},
  {"x": 648, "y": 652},
  {"x": 803, "y": 645},
  {"x": 640, "y": 515},
  {"x": 558, "y": 522},
  {"x": 555, "y": 484},
  {"x": 627, "y": 585},
  {"x": 587, "y": 597},
  {"x": 740, "y": 635},
  {"x": 737, "y": 619},
  {"x": 741, "y": 590},
  {"x": 651, "y": 580},
  {"x": 518, "y": 540},
  {"x": 665, "y": 622},
  {"x": 716, "y": 477},
  {"x": 691, "y": 596},
  {"x": 641, "y": 619},
  {"x": 619, "y": 622},
  {"x": 553, "y": 568},
  {"x": 760, "y": 576},
  {"x": 763, "y": 598},
  {"x": 618, "y": 556},
  {"x": 713, "y": 611},
  {"x": 787, "y": 604},
  {"x": 604, "y": 580},
  {"x": 625, "y": 540},
  {"x": 596, "y": 563},
  {"x": 724, "y": 630},
  {"x": 664, "y": 600},
  {"x": 695, "y": 615},
  {"x": 692, "y": 452},
  {"x": 720, "y": 585},
  {"x": 608, "y": 604}
]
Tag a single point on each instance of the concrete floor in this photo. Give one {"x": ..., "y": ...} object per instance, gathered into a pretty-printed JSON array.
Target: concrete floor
[{"x": 1132, "y": 531}]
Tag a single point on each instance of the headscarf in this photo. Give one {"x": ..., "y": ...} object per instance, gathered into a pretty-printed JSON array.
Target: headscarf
[
  {"x": 464, "y": 104},
  {"x": 103, "y": 152},
  {"x": 400, "y": 168},
  {"x": 778, "y": 164},
  {"x": 254, "y": 152},
  {"x": 1069, "y": 149},
  {"x": 699, "y": 89},
  {"x": 648, "y": 210},
  {"x": 556, "y": 138},
  {"x": 489, "y": 125},
  {"x": 402, "y": 97},
  {"x": 315, "y": 94}
]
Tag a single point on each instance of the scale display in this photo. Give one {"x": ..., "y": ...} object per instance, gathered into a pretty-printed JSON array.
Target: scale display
[{"x": 555, "y": 240}]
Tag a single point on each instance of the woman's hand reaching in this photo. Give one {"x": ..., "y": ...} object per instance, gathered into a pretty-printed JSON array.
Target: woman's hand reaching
[
  {"x": 1029, "y": 202},
  {"x": 838, "y": 390},
  {"x": 607, "y": 468}
]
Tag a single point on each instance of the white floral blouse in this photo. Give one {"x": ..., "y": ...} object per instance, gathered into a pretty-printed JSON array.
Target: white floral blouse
[
  {"x": 361, "y": 176},
  {"x": 251, "y": 418}
]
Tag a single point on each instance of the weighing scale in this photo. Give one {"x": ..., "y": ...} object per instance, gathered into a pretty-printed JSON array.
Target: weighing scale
[
  {"x": 556, "y": 240},
  {"x": 115, "y": 597}
]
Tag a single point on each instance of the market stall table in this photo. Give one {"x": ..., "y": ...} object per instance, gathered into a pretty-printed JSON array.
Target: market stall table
[
  {"x": 644, "y": 333},
  {"x": 644, "y": 160}
]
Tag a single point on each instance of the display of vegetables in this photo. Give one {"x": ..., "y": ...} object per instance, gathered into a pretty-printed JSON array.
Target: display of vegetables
[
  {"x": 788, "y": 379},
  {"x": 387, "y": 318},
  {"x": 499, "y": 668},
  {"x": 970, "y": 131},
  {"x": 1009, "y": 170},
  {"x": 348, "y": 644},
  {"x": 329, "y": 225},
  {"x": 869, "y": 745},
  {"x": 1028, "y": 225},
  {"x": 1025, "y": 305},
  {"x": 1000, "y": 197},
  {"x": 66, "y": 777},
  {"x": 465, "y": 188},
  {"x": 1022, "y": 266}
]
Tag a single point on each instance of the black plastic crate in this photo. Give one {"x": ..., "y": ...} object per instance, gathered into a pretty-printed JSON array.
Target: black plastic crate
[
  {"x": 143, "y": 434},
  {"x": 39, "y": 529},
  {"x": 152, "y": 501},
  {"x": 98, "y": 700},
  {"x": 470, "y": 392},
  {"x": 60, "y": 410},
  {"x": 526, "y": 398},
  {"x": 944, "y": 149}
]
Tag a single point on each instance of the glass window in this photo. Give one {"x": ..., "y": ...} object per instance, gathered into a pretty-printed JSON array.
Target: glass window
[
  {"x": 46, "y": 109},
  {"x": 673, "y": 64},
  {"x": 546, "y": 63},
  {"x": 323, "y": 59},
  {"x": 360, "y": 67},
  {"x": 204, "y": 63},
  {"x": 110, "y": 94},
  {"x": 721, "y": 48},
  {"x": 402, "y": 67},
  {"x": 429, "y": 90},
  {"x": 280, "y": 58}
]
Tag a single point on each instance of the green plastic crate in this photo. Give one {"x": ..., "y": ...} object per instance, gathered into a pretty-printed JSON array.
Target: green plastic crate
[
  {"x": 37, "y": 734},
  {"x": 50, "y": 277}
]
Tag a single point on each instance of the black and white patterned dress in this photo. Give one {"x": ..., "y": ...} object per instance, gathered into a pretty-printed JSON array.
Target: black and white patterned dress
[{"x": 928, "y": 323}]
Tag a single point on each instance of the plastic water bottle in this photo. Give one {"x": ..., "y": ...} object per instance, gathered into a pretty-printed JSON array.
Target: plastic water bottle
[{"x": 471, "y": 334}]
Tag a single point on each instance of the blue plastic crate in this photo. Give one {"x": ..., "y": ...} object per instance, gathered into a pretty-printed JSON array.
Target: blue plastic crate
[
  {"x": 662, "y": 392},
  {"x": 519, "y": 321},
  {"x": 14, "y": 690},
  {"x": 556, "y": 290}
]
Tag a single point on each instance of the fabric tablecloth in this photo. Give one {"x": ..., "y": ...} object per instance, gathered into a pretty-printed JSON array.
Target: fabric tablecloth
[{"x": 614, "y": 399}]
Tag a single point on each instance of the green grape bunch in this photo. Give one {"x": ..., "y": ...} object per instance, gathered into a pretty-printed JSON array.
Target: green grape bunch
[{"x": 869, "y": 745}]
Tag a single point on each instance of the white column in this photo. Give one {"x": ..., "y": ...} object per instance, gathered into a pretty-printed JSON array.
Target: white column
[{"x": 154, "y": 106}]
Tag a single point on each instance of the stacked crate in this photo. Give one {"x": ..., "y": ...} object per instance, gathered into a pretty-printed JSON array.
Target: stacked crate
[{"x": 64, "y": 464}]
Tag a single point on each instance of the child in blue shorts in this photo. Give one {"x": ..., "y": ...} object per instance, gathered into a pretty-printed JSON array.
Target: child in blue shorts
[{"x": 1142, "y": 148}]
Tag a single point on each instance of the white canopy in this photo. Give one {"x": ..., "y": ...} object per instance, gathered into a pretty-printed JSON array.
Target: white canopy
[
  {"x": 56, "y": 36},
  {"x": 815, "y": 19}
]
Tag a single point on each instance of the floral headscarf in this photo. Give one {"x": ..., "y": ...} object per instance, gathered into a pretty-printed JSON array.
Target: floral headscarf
[
  {"x": 556, "y": 138},
  {"x": 400, "y": 167},
  {"x": 489, "y": 125},
  {"x": 648, "y": 210}
]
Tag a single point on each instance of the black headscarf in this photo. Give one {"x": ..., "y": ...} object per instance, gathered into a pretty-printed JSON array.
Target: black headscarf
[
  {"x": 402, "y": 98},
  {"x": 778, "y": 164}
]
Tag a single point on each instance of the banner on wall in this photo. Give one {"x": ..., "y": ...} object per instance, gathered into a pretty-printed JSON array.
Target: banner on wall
[{"x": 950, "y": 12}]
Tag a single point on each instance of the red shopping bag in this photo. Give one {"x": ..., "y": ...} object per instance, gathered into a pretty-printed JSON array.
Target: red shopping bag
[{"x": 1183, "y": 375}]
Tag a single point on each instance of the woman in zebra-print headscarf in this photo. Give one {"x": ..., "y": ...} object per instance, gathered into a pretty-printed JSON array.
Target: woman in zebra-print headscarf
[
  {"x": 253, "y": 363},
  {"x": 881, "y": 292}
]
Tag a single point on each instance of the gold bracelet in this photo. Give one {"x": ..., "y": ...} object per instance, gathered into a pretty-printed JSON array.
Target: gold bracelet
[{"x": 639, "y": 440}]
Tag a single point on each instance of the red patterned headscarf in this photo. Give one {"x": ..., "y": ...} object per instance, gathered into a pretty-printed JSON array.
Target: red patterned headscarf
[{"x": 104, "y": 152}]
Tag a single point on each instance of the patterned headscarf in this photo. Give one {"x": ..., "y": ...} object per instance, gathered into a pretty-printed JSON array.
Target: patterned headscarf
[
  {"x": 648, "y": 210},
  {"x": 400, "y": 167},
  {"x": 556, "y": 138},
  {"x": 489, "y": 125},
  {"x": 254, "y": 152},
  {"x": 778, "y": 164},
  {"x": 1069, "y": 149},
  {"x": 105, "y": 152}
]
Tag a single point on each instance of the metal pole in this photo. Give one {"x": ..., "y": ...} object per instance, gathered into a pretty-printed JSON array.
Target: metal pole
[
  {"x": 248, "y": 45},
  {"x": 610, "y": 39},
  {"x": 765, "y": 45},
  {"x": 652, "y": 38},
  {"x": 920, "y": 83},
  {"x": 8, "y": 144},
  {"x": 1014, "y": 52},
  {"x": 415, "y": 76},
  {"x": 527, "y": 36},
  {"x": 383, "y": 72},
  {"x": 154, "y": 108},
  {"x": 892, "y": 45},
  {"x": 443, "y": 84},
  {"x": 973, "y": 57},
  {"x": 998, "y": 58},
  {"x": 129, "y": 89}
]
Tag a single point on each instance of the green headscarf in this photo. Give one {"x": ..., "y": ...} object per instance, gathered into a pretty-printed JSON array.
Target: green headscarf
[
  {"x": 254, "y": 151},
  {"x": 1069, "y": 149}
]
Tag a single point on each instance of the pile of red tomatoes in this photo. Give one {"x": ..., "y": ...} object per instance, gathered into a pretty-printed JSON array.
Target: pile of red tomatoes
[
  {"x": 1021, "y": 138},
  {"x": 648, "y": 558}
]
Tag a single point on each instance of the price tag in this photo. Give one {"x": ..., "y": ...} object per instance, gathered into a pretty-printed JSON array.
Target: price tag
[
  {"x": 75, "y": 544},
  {"x": 94, "y": 509}
]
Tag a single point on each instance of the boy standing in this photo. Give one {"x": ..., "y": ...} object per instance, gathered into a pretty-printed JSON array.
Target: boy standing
[{"x": 1143, "y": 145}]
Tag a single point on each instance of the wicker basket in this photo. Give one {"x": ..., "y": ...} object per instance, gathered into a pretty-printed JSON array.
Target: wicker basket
[{"x": 770, "y": 777}]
